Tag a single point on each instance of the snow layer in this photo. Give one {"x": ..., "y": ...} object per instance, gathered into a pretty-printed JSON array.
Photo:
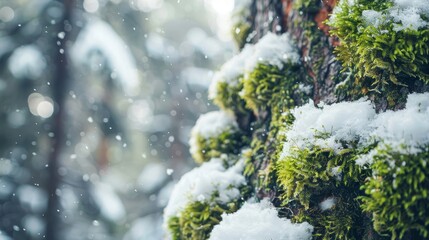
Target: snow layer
[
  {"x": 231, "y": 70},
  {"x": 405, "y": 14},
  {"x": 211, "y": 124},
  {"x": 274, "y": 50},
  {"x": 271, "y": 49},
  {"x": 327, "y": 204},
  {"x": 202, "y": 182},
  {"x": 99, "y": 36},
  {"x": 214, "y": 123},
  {"x": 326, "y": 126},
  {"x": 257, "y": 221}
]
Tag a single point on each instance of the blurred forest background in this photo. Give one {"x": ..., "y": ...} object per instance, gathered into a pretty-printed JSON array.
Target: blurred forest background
[{"x": 97, "y": 99}]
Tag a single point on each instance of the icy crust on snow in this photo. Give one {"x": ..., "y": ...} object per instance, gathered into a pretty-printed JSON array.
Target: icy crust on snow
[
  {"x": 256, "y": 221},
  {"x": 271, "y": 49},
  {"x": 210, "y": 182},
  {"x": 327, "y": 126},
  {"x": 405, "y": 14}
]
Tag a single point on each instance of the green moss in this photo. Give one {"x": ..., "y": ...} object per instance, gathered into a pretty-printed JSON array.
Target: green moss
[
  {"x": 307, "y": 5},
  {"x": 228, "y": 142},
  {"x": 240, "y": 31},
  {"x": 197, "y": 220},
  {"x": 228, "y": 98},
  {"x": 268, "y": 86},
  {"x": 382, "y": 59},
  {"x": 308, "y": 176},
  {"x": 308, "y": 171},
  {"x": 342, "y": 221},
  {"x": 397, "y": 195}
]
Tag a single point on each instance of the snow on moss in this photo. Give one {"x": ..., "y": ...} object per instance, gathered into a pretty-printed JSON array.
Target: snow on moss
[
  {"x": 231, "y": 70},
  {"x": 327, "y": 126},
  {"x": 332, "y": 126},
  {"x": 214, "y": 123},
  {"x": 255, "y": 221},
  {"x": 273, "y": 50},
  {"x": 210, "y": 182},
  {"x": 405, "y": 14},
  {"x": 409, "y": 127}
]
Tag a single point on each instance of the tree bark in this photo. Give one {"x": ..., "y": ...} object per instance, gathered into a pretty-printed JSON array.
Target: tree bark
[{"x": 59, "y": 91}]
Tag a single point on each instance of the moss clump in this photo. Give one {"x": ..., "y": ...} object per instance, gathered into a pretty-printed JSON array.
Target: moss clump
[
  {"x": 308, "y": 171},
  {"x": 267, "y": 86},
  {"x": 228, "y": 142},
  {"x": 197, "y": 220},
  {"x": 398, "y": 193},
  {"x": 380, "y": 50},
  {"x": 227, "y": 97},
  {"x": 308, "y": 176},
  {"x": 240, "y": 31}
]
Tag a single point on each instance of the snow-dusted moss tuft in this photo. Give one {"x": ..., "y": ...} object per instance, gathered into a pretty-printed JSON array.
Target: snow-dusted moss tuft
[
  {"x": 384, "y": 42},
  {"x": 201, "y": 196},
  {"x": 215, "y": 133},
  {"x": 228, "y": 82},
  {"x": 272, "y": 74},
  {"x": 331, "y": 150}
]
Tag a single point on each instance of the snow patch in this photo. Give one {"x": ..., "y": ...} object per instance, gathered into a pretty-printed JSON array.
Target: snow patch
[
  {"x": 331, "y": 126},
  {"x": 274, "y": 50},
  {"x": 405, "y": 14},
  {"x": 231, "y": 70},
  {"x": 210, "y": 125},
  {"x": 256, "y": 221},
  {"x": 202, "y": 182},
  {"x": 328, "y": 125},
  {"x": 327, "y": 204}
]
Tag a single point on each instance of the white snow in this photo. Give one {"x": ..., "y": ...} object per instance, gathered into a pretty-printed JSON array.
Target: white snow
[
  {"x": 257, "y": 221},
  {"x": 99, "y": 36},
  {"x": 345, "y": 121},
  {"x": 214, "y": 123},
  {"x": 231, "y": 70},
  {"x": 202, "y": 182},
  {"x": 408, "y": 127},
  {"x": 27, "y": 62},
  {"x": 372, "y": 17},
  {"x": 405, "y": 14},
  {"x": 327, "y": 204},
  {"x": 210, "y": 125},
  {"x": 325, "y": 126},
  {"x": 274, "y": 50},
  {"x": 271, "y": 49}
]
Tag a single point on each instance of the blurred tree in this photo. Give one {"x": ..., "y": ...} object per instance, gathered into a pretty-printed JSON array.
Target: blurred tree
[{"x": 97, "y": 100}]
